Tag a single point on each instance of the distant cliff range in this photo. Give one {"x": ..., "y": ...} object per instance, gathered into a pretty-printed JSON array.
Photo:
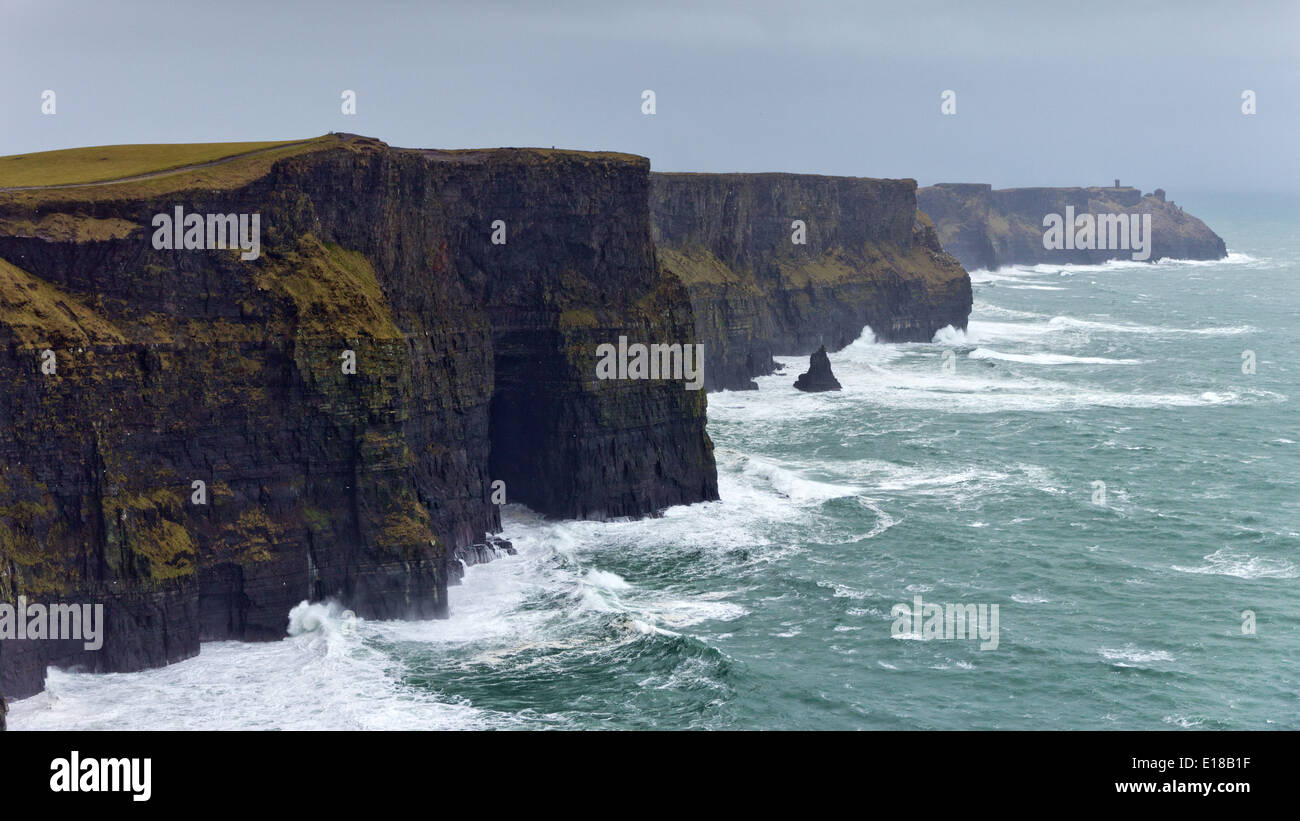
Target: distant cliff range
[{"x": 984, "y": 228}]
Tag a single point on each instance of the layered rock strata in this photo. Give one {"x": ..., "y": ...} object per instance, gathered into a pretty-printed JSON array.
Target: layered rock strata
[
  {"x": 781, "y": 264},
  {"x": 987, "y": 229},
  {"x": 193, "y": 451}
]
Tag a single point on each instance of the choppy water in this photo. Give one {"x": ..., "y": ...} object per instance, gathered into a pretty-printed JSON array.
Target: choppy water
[{"x": 771, "y": 608}]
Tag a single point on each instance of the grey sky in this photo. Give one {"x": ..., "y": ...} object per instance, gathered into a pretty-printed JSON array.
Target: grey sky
[{"x": 1047, "y": 93}]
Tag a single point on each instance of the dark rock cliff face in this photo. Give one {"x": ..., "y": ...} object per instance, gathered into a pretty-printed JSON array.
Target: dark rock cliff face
[
  {"x": 869, "y": 259},
  {"x": 987, "y": 229},
  {"x": 475, "y": 362}
]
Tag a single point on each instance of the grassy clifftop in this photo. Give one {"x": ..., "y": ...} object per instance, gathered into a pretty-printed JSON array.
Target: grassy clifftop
[
  {"x": 71, "y": 166},
  {"x": 135, "y": 171}
]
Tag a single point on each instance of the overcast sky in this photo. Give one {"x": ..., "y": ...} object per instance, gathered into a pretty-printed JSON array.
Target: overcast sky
[{"x": 1047, "y": 93}]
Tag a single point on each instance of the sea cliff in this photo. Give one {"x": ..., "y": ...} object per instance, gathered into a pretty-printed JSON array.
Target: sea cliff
[
  {"x": 867, "y": 257},
  {"x": 986, "y": 228},
  {"x": 473, "y": 365}
]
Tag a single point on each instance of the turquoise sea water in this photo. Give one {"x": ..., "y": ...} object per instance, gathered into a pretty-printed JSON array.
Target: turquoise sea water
[{"x": 771, "y": 608}]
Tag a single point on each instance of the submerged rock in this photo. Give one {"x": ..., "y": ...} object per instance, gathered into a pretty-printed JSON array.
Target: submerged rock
[
  {"x": 818, "y": 377},
  {"x": 503, "y": 545},
  {"x": 484, "y": 552}
]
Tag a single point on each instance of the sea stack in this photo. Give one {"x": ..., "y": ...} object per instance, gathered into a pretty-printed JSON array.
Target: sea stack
[{"x": 818, "y": 376}]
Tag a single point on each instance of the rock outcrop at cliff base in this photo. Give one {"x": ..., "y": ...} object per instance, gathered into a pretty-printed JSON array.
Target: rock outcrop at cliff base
[
  {"x": 987, "y": 229},
  {"x": 818, "y": 377},
  {"x": 474, "y": 364}
]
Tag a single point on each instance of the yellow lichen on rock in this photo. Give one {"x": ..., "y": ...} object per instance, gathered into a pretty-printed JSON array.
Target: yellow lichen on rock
[{"x": 38, "y": 314}]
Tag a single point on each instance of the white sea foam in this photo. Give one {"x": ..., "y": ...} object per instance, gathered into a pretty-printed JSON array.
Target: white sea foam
[
  {"x": 605, "y": 579},
  {"x": 968, "y": 390},
  {"x": 983, "y": 331},
  {"x": 322, "y": 677},
  {"x": 791, "y": 485},
  {"x": 978, "y": 331},
  {"x": 1224, "y": 562},
  {"x": 983, "y": 308},
  {"x": 864, "y": 349},
  {"x": 1016, "y": 274},
  {"x": 1068, "y": 322},
  {"x": 911, "y": 377},
  {"x": 328, "y": 673},
  {"x": 1132, "y": 656},
  {"x": 842, "y": 591},
  {"x": 1049, "y": 358},
  {"x": 1013, "y": 272},
  {"x": 1233, "y": 258}
]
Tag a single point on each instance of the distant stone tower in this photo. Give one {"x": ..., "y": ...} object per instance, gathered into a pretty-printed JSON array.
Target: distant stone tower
[{"x": 1117, "y": 182}]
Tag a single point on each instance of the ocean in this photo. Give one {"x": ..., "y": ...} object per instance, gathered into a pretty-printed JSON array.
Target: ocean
[{"x": 1091, "y": 458}]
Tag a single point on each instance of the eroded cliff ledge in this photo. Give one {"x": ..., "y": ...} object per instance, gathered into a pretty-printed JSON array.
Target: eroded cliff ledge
[
  {"x": 474, "y": 363},
  {"x": 870, "y": 258},
  {"x": 987, "y": 229}
]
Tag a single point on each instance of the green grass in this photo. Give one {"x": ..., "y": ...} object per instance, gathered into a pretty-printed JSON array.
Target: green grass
[
  {"x": 335, "y": 292},
  {"x": 67, "y": 228},
  {"x": 699, "y": 269},
  {"x": 696, "y": 265},
  {"x": 38, "y": 314},
  {"x": 111, "y": 162},
  {"x": 241, "y": 169},
  {"x": 534, "y": 156}
]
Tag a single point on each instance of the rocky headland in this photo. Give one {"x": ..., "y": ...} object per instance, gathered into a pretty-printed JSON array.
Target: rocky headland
[
  {"x": 182, "y": 438},
  {"x": 987, "y": 229}
]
